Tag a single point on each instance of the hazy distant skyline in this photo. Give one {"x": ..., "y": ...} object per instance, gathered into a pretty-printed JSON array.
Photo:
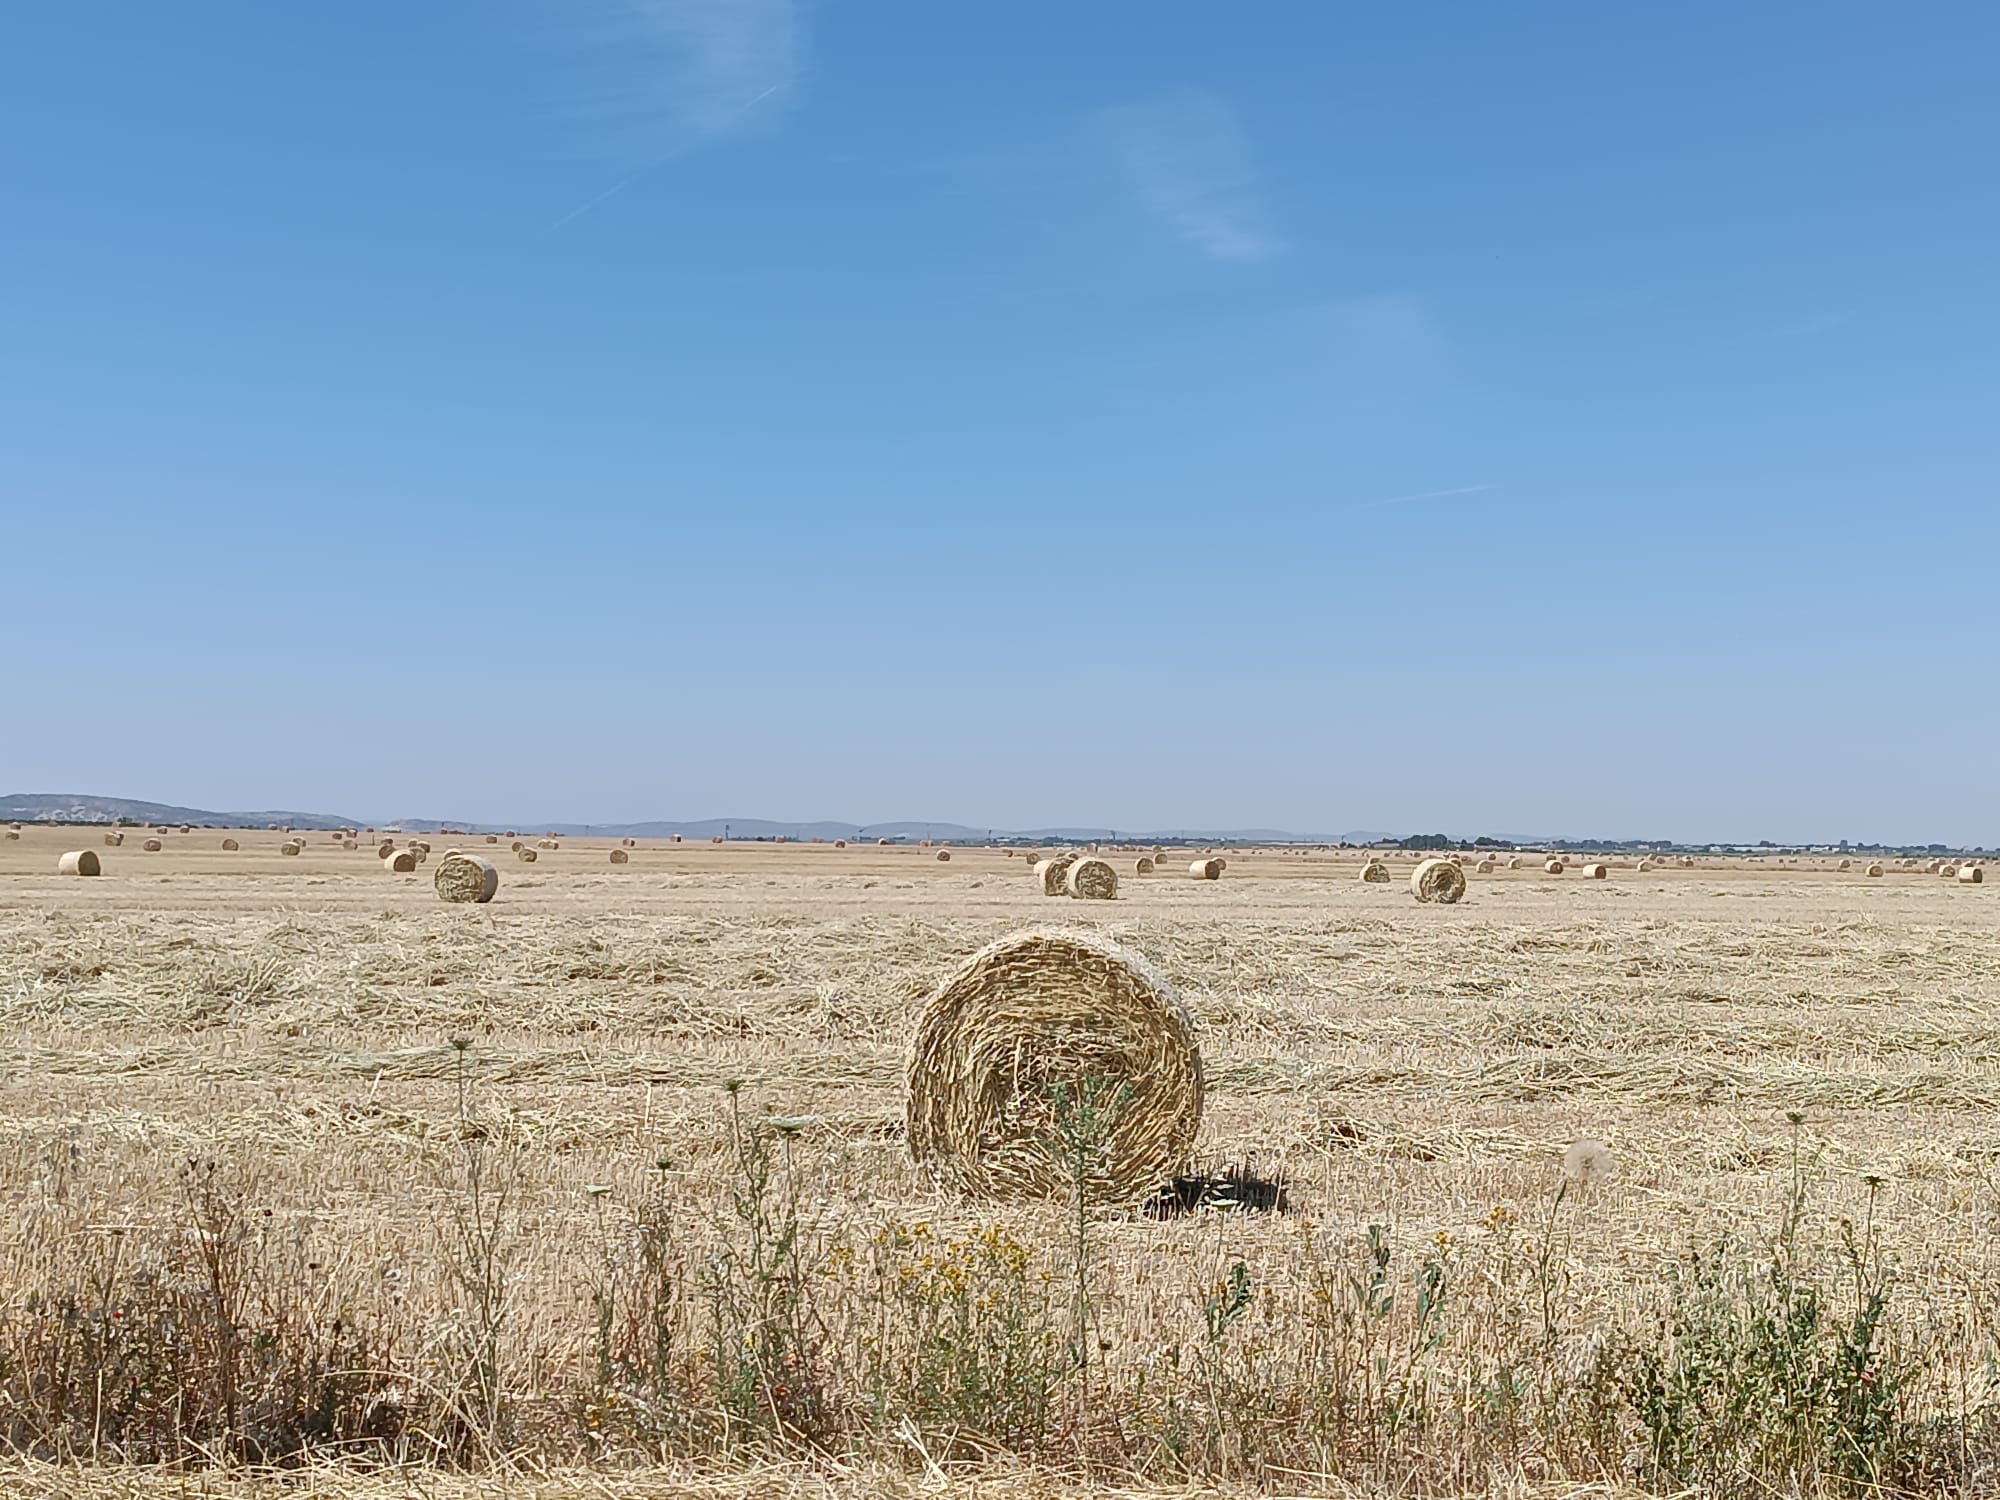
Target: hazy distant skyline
[{"x": 1554, "y": 419}]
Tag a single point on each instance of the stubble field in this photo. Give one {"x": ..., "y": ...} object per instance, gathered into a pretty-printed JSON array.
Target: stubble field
[{"x": 305, "y": 1166}]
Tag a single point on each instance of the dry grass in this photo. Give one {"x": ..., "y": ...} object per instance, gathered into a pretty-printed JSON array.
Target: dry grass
[{"x": 431, "y": 1212}]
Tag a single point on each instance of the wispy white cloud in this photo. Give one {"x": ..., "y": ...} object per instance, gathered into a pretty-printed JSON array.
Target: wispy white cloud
[
  {"x": 672, "y": 73},
  {"x": 1188, "y": 162},
  {"x": 723, "y": 58}
]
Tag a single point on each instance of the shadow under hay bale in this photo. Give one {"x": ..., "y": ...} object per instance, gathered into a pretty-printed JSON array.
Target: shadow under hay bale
[
  {"x": 1237, "y": 1188},
  {"x": 1049, "y": 1062}
]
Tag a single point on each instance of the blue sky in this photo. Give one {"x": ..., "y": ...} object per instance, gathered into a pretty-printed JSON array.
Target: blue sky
[{"x": 1548, "y": 418}]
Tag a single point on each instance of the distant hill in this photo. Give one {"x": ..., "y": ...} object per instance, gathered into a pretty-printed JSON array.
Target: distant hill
[{"x": 68, "y": 807}]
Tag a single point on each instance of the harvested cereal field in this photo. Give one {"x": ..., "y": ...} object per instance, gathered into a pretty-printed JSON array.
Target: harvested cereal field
[{"x": 610, "y": 1171}]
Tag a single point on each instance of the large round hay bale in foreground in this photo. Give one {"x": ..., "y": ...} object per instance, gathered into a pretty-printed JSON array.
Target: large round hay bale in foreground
[
  {"x": 1374, "y": 872},
  {"x": 151, "y": 846},
  {"x": 1597, "y": 872},
  {"x": 620, "y": 857},
  {"x": 465, "y": 877},
  {"x": 1967, "y": 874},
  {"x": 1028, "y": 1039},
  {"x": 1437, "y": 880},
  {"x": 79, "y": 862},
  {"x": 1092, "y": 879},
  {"x": 1206, "y": 869},
  {"x": 1053, "y": 873},
  {"x": 401, "y": 862},
  {"x": 230, "y": 846},
  {"x": 1143, "y": 865}
]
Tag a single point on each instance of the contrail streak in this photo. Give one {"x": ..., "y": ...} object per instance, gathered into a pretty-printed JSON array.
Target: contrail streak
[{"x": 1470, "y": 489}]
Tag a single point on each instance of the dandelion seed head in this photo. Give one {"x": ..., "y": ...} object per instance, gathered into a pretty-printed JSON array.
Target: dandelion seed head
[{"x": 1589, "y": 1162}]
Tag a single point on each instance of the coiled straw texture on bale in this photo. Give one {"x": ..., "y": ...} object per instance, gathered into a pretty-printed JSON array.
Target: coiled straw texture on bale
[
  {"x": 1143, "y": 865},
  {"x": 401, "y": 862},
  {"x": 230, "y": 846},
  {"x": 1053, "y": 873},
  {"x": 1875, "y": 872},
  {"x": 1092, "y": 880},
  {"x": 620, "y": 857},
  {"x": 1023, "y": 1037},
  {"x": 945, "y": 855},
  {"x": 1484, "y": 867},
  {"x": 525, "y": 855},
  {"x": 79, "y": 862},
  {"x": 1553, "y": 867},
  {"x": 465, "y": 877},
  {"x": 1206, "y": 869},
  {"x": 1437, "y": 880},
  {"x": 1374, "y": 872},
  {"x": 151, "y": 846}
]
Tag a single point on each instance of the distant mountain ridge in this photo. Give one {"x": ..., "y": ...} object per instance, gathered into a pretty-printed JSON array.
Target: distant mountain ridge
[{"x": 70, "y": 807}]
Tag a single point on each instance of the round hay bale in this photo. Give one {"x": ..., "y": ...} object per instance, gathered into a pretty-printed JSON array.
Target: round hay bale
[
  {"x": 492, "y": 838},
  {"x": 1206, "y": 869},
  {"x": 230, "y": 846},
  {"x": 1021, "y": 1032},
  {"x": 1949, "y": 871},
  {"x": 516, "y": 846},
  {"x": 1847, "y": 864},
  {"x": 114, "y": 840},
  {"x": 348, "y": 844},
  {"x": 525, "y": 855},
  {"x": 1221, "y": 864},
  {"x": 151, "y": 846},
  {"x": 1092, "y": 879},
  {"x": 422, "y": 846},
  {"x": 386, "y": 848},
  {"x": 1645, "y": 867},
  {"x": 1142, "y": 866},
  {"x": 944, "y": 855},
  {"x": 13, "y": 833},
  {"x": 189, "y": 828},
  {"x": 620, "y": 857},
  {"x": 1437, "y": 880},
  {"x": 883, "y": 843},
  {"x": 400, "y": 862},
  {"x": 1967, "y": 875},
  {"x": 1553, "y": 867},
  {"x": 1874, "y": 872},
  {"x": 840, "y": 843},
  {"x": 79, "y": 862},
  {"x": 1484, "y": 867},
  {"x": 465, "y": 878},
  {"x": 291, "y": 849},
  {"x": 1596, "y": 872},
  {"x": 1513, "y": 861},
  {"x": 547, "y": 844},
  {"x": 1053, "y": 873},
  {"x": 1374, "y": 872}
]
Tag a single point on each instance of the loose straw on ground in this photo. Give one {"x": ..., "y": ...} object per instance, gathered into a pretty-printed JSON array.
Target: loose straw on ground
[
  {"x": 465, "y": 878},
  {"x": 1046, "y": 1046}
]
